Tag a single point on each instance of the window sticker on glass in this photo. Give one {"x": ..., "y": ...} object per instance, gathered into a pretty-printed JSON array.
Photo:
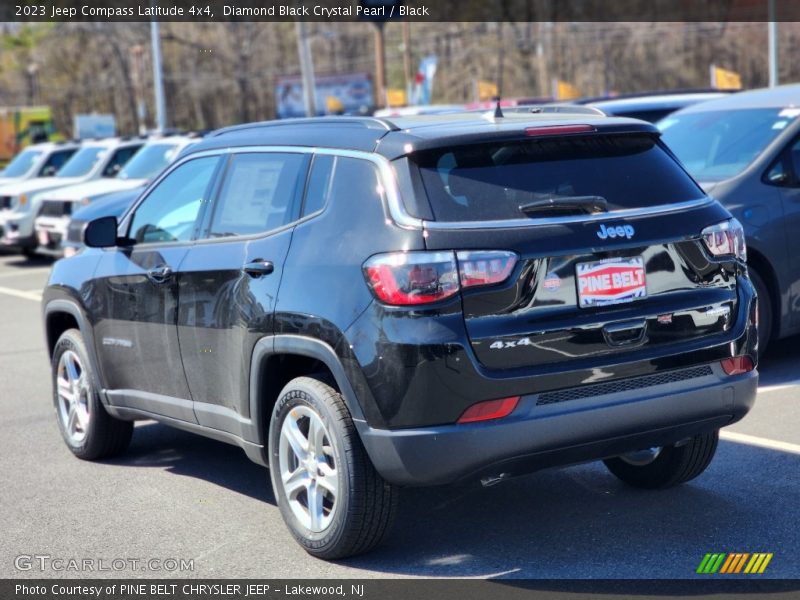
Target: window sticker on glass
[
  {"x": 789, "y": 113},
  {"x": 780, "y": 124}
]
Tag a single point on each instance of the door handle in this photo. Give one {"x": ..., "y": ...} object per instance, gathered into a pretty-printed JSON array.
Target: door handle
[
  {"x": 259, "y": 267},
  {"x": 160, "y": 274}
]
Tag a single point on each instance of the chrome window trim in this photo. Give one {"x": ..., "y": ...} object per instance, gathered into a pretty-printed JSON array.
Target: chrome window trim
[
  {"x": 388, "y": 178},
  {"x": 397, "y": 210},
  {"x": 661, "y": 209}
]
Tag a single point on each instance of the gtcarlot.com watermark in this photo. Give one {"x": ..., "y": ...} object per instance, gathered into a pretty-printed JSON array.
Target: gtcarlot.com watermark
[{"x": 42, "y": 563}]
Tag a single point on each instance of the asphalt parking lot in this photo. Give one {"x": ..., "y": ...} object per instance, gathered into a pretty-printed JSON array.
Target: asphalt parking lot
[{"x": 179, "y": 496}]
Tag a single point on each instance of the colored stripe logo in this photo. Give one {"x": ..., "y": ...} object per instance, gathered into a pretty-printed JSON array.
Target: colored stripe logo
[{"x": 734, "y": 562}]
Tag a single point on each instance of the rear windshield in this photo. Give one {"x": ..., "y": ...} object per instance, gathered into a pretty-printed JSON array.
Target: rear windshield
[{"x": 493, "y": 181}]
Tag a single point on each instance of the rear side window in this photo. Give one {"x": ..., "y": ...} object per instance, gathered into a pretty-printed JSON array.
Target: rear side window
[
  {"x": 258, "y": 193},
  {"x": 319, "y": 183},
  {"x": 355, "y": 181},
  {"x": 493, "y": 181}
]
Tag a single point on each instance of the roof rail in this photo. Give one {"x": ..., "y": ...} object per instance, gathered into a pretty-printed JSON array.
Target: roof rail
[
  {"x": 564, "y": 109},
  {"x": 365, "y": 122}
]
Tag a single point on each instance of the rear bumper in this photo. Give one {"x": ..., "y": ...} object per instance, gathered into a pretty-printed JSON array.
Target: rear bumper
[{"x": 539, "y": 435}]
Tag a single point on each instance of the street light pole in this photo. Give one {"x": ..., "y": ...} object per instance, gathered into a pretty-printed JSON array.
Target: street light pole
[
  {"x": 306, "y": 69},
  {"x": 772, "y": 43},
  {"x": 158, "y": 79}
]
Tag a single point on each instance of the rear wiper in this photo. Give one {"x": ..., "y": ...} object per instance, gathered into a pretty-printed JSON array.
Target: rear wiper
[{"x": 566, "y": 205}]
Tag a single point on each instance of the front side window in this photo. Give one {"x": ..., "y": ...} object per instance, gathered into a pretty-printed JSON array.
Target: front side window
[
  {"x": 149, "y": 161},
  {"x": 23, "y": 163},
  {"x": 258, "y": 193},
  {"x": 721, "y": 144},
  {"x": 83, "y": 161},
  {"x": 56, "y": 161},
  {"x": 118, "y": 160},
  {"x": 170, "y": 211}
]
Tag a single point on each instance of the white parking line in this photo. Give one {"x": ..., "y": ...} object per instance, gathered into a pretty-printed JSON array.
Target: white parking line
[
  {"x": 778, "y": 386},
  {"x": 25, "y": 272},
  {"x": 35, "y": 296},
  {"x": 752, "y": 440}
]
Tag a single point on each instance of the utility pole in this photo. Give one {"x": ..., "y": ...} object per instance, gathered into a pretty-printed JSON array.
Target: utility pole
[
  {"x": 158, "y": 79},
  {"x": 380, "y": 66},
  {"x": 772, "y": 44},
  {"x": 306, "y": 69},
  {"x": 501, "y": 53},
  {"x": 407, "y": 59}
]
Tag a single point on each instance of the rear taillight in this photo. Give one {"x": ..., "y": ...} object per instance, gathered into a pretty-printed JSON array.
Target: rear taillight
[
  {"x": 484, "y": 268},
  {"x": 737, "y": 365},
  {"x": 489, "y": 410},
  {"x": 414, "y": 278},
  {"x": 726, "y": 239}
]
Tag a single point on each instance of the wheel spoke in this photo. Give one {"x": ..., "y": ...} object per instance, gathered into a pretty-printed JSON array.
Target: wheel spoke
[
  {"x": 315, "y": 506},
  {"x": 82, "y": 416},
  {"x": 330, "y": 483},
  {"x": 71, "y": 369},
  {"x": 294, "y": 482},
  {"x": 296, "y": 439},
  {"x": 72, "y": 419},
  {"x": 316, "y": 437},
  {"x": 65, "y": 390}
]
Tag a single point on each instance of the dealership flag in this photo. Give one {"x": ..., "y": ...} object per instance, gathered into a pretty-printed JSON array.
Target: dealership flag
[
  {"x": 723, "y": 79},
  {"x": 423, "y": 82},
  {"x": 487, "y": 90},
  {"x": 563, "y": 90}
]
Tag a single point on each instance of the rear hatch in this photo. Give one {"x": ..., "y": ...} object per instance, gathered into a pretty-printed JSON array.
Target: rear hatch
[{"x": 607, "y": 232}]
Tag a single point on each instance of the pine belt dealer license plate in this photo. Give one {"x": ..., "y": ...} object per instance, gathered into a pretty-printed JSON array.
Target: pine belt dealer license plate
[{"x": 610, "y": 281}]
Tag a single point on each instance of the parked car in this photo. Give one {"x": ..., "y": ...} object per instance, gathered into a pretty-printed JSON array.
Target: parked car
[
  {"x": 110, "y": 205},
  {"x": 54, "y": 214},
  {"x": 363, "y": 304},
  {"x": 744, "y": 150},
  {"x": 39, "y": 160},
  {"x": 651, "y": 106},
  {"x": 95, "y": 159}
]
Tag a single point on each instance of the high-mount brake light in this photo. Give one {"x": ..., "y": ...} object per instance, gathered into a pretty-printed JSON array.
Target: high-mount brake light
[
  {"x": 726, "y": 239},
  {"x": 419, "y": 277},
  {"x": 558, "y": 130}
]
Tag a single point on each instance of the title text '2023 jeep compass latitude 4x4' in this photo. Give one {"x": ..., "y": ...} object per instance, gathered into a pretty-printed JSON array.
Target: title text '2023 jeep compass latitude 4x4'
[{"x": 363, "y": 304}]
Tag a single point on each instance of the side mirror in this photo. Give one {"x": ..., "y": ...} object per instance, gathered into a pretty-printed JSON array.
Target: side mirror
[
  {"x": 101, "y": 233},
  {"x": 48, "y": 171}
]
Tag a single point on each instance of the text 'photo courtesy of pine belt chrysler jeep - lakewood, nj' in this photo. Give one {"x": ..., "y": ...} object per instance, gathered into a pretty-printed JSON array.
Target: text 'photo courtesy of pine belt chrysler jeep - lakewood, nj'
[{"x": 363, "y": 304}]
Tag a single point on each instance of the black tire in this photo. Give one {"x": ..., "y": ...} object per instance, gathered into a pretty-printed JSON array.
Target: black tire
[
  {"x": 672, "y": 466},
  {"x": 365, "y": 504},
  {"x": 103, "y": 435},
  {"x": 29, "y": 252},
  {"x": 765, "y": 316}
]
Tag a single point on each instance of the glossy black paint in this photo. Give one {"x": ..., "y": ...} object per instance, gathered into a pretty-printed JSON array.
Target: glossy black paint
[{"x": 186, "y": 331}]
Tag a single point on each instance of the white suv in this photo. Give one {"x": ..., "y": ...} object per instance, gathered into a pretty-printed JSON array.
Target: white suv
[
  {"x": 57, "y": 207},
  {"x": 95, "y": 159},
  {"x": 37, "y": 160}
]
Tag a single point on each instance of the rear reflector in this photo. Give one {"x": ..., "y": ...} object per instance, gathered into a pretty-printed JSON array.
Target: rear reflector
[
  {"x": 558, "y": 130},
  {"x": 737, "y": 365},
  {"x": 488, "y": 410}
]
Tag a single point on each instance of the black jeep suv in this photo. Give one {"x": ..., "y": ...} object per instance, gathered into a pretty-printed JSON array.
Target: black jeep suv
[{"x": 363, "y": 304}]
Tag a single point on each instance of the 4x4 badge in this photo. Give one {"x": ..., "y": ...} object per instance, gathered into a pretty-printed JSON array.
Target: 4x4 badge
[{"x": 626, "y": 231}]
